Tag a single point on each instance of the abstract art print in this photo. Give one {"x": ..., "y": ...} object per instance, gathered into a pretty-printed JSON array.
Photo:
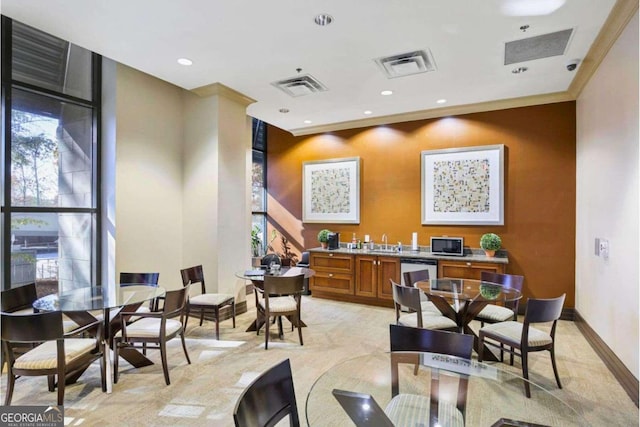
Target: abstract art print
[
  {"x": 331, "y": 191},
  {"x": 463, "y": 186}
]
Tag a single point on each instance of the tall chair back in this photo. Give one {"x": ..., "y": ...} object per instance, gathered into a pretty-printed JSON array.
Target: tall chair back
[
  {"x": 139, "y": 279},
  {"x": 18, "y": 299},
  {"x": 411, "y": 277},
  {"x": 268, "y": 399},
  {"x": 407, "y": 339}
]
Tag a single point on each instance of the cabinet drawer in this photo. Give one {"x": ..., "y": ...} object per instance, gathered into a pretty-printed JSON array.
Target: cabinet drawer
[
  {"x": 467, "y": 270},
  {"x": 335, "y": 263},
  {"x": 332, "y": 282}
]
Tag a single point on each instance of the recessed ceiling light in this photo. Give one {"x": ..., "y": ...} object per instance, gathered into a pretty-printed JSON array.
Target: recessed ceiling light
[
  {"x": 519, "y": 70},
  {"x": 307, "y": 122},
  {"x": 386, "y": 92},
  {"x": 441, "y": 101},
  {"x": 367, "y": 112},
  {"x": 185, "y": 61},
  {"x": 323, "y": 19},
  {"x": 284, "y": 110}
]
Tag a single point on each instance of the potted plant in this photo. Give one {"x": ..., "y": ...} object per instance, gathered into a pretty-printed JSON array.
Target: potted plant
[
  {"x": 256, "y": 245},
  {"x": 323, "y": 238},
  {"x": 490, "y": 242}
]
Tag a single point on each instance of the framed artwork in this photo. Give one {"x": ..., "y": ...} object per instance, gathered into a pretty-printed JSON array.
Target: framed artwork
[
  {"x": 463, "y": 186},
  {"x": 331, "y": 191}
]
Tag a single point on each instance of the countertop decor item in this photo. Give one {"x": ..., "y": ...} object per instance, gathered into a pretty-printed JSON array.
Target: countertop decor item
[
  {"x": 490, "y": 242},
  {"x": 323, "y": 237}
]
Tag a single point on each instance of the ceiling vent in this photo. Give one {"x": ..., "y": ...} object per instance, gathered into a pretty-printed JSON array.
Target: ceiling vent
[
  {"x": 301, "y": 85},
  {"x": 543, "y": 46},
  {"x": 406, "y": 64}
]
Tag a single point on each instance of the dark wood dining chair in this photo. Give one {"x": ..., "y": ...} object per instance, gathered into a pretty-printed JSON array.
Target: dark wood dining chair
[
  {"x": 493, "y": 313},
  {"x": 305, "y": 263},
  {"x": 56, "y": 354},
  {"x": 522, "y": 338},
  {"x": 408, "y": 339},
  {"x": 154, "y": 329},
  {"x": 413, "y": 277},
  {"x": 206, "y": 302},
  {"x": 269, "y": 258},
  {"x": 408, "y": 296},
  {"x": 281, "y": 296},
  {"x": 268, "y": 399}
]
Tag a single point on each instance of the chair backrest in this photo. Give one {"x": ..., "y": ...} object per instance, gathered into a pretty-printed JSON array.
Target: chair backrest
[
  {"x": 407, "y": 296},
  {"x": 406, "y": 338},
  {"x": 268, "y": 399},
  {"x": 304, "y": 260},
  {"x": 19, "y": 298},
  {"x": 269, "y": 258},
  {"x": 139, "y": 278},
  {"x": 193, "y": 275},
  {"x": 544, "y": 310},
  {"x": 175, "y": 300},
  {"x": 285, "y": 285},
  {"x": 411, "y": 277},
  {"x": 35, "y": 327},
  {"x": 513, "y": 281}
]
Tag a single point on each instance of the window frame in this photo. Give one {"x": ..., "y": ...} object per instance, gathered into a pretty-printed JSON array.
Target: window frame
[{"x": 7, "y": 209}]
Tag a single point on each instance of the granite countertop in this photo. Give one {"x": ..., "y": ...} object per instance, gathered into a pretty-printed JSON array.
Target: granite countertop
[{"x": 471, "y": 255}]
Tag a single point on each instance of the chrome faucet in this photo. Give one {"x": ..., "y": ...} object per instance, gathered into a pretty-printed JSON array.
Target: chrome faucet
[{"x": 384, "y": 239}]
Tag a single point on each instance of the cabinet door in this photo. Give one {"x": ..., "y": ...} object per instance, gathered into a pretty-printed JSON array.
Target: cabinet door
[
  {"x": 388, "y": 269},
  {"x": 467, "y": 270},
  {"x": 366, "y": 276}
]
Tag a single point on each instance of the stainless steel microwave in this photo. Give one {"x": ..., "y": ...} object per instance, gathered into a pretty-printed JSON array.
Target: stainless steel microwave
[{"x": 453, "y": 246}]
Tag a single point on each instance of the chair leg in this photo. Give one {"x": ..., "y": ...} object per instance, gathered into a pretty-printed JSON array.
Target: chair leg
[
  {"x": 115, "y": 360},
  {"x": 201, "y": 316},
  {"x": 165, "y": 367},
  {"x": 51, "y": 382},
  {"x": 555, "y": 368},
  {"x": 11, "y": 380},
  {"x": 217, "y": 319},
  {"x": 186, "y": 317},
  {"x": 266, "y": 333},
  {"x": 184, "y": 347},
  {"x": 103, "y": 379},
  {"x": 233, "y": 313},
  {"x": 525, "y": 371},
  {"x": 480, "y": 346},
  {"x": 144, "y": 348},
  {"x": 299, "y": 331},
  {"x": 61, "y": 385}
]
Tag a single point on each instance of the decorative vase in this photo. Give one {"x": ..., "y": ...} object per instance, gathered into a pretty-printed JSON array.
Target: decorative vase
[
  {"x": 323, "y": 245},
  {"x": 489, "y": 253}
]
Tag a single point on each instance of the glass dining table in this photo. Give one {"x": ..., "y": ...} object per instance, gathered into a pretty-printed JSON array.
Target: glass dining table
[
  {"x": 77, "y": 304},
  {"x": 491, "y": 396},
  {"x": 462, "y": 299}
]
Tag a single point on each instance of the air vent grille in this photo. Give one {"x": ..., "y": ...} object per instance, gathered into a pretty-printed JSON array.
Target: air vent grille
[
  {"x": 301, "y": 85},
  {"x": 543, "y": 46},
  {"x": 406, "y": 64}
]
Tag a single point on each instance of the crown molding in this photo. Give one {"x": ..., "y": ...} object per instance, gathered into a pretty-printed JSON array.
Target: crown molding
[
  {"x": 221, "y": 90},
  {"x": 457, "y": 110}
]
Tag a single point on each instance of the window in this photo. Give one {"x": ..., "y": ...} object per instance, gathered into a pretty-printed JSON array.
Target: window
[
  {"x": 259, "y": 183},
  {"x": 51, "y": 99}
]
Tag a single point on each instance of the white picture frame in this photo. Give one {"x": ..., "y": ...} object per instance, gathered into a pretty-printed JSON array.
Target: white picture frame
[
  {"x": 331, "y": 191},
  {"x": 463, "y": 186}
]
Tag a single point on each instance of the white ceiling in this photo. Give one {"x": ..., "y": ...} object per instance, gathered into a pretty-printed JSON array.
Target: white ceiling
[{"x": 246, "y": 45}]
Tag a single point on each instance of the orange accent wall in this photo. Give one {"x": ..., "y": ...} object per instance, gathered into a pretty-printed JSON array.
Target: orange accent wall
[{"x": 540, "y": 186}]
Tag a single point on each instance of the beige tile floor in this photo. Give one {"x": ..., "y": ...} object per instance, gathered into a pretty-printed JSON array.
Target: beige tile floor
[{"x": 204, "y": 393}]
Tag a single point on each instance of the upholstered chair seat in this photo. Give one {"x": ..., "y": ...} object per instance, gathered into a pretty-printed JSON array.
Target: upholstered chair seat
[
  {"x": 413, "y": 410},
  {"x": 429, "y": 321},
  {"x": 45, "y": 356}
]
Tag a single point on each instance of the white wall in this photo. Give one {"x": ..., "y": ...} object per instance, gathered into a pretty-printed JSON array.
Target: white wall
[
  {"x": 607, "y": 199},
  {"x": 148, "y": 196}
]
